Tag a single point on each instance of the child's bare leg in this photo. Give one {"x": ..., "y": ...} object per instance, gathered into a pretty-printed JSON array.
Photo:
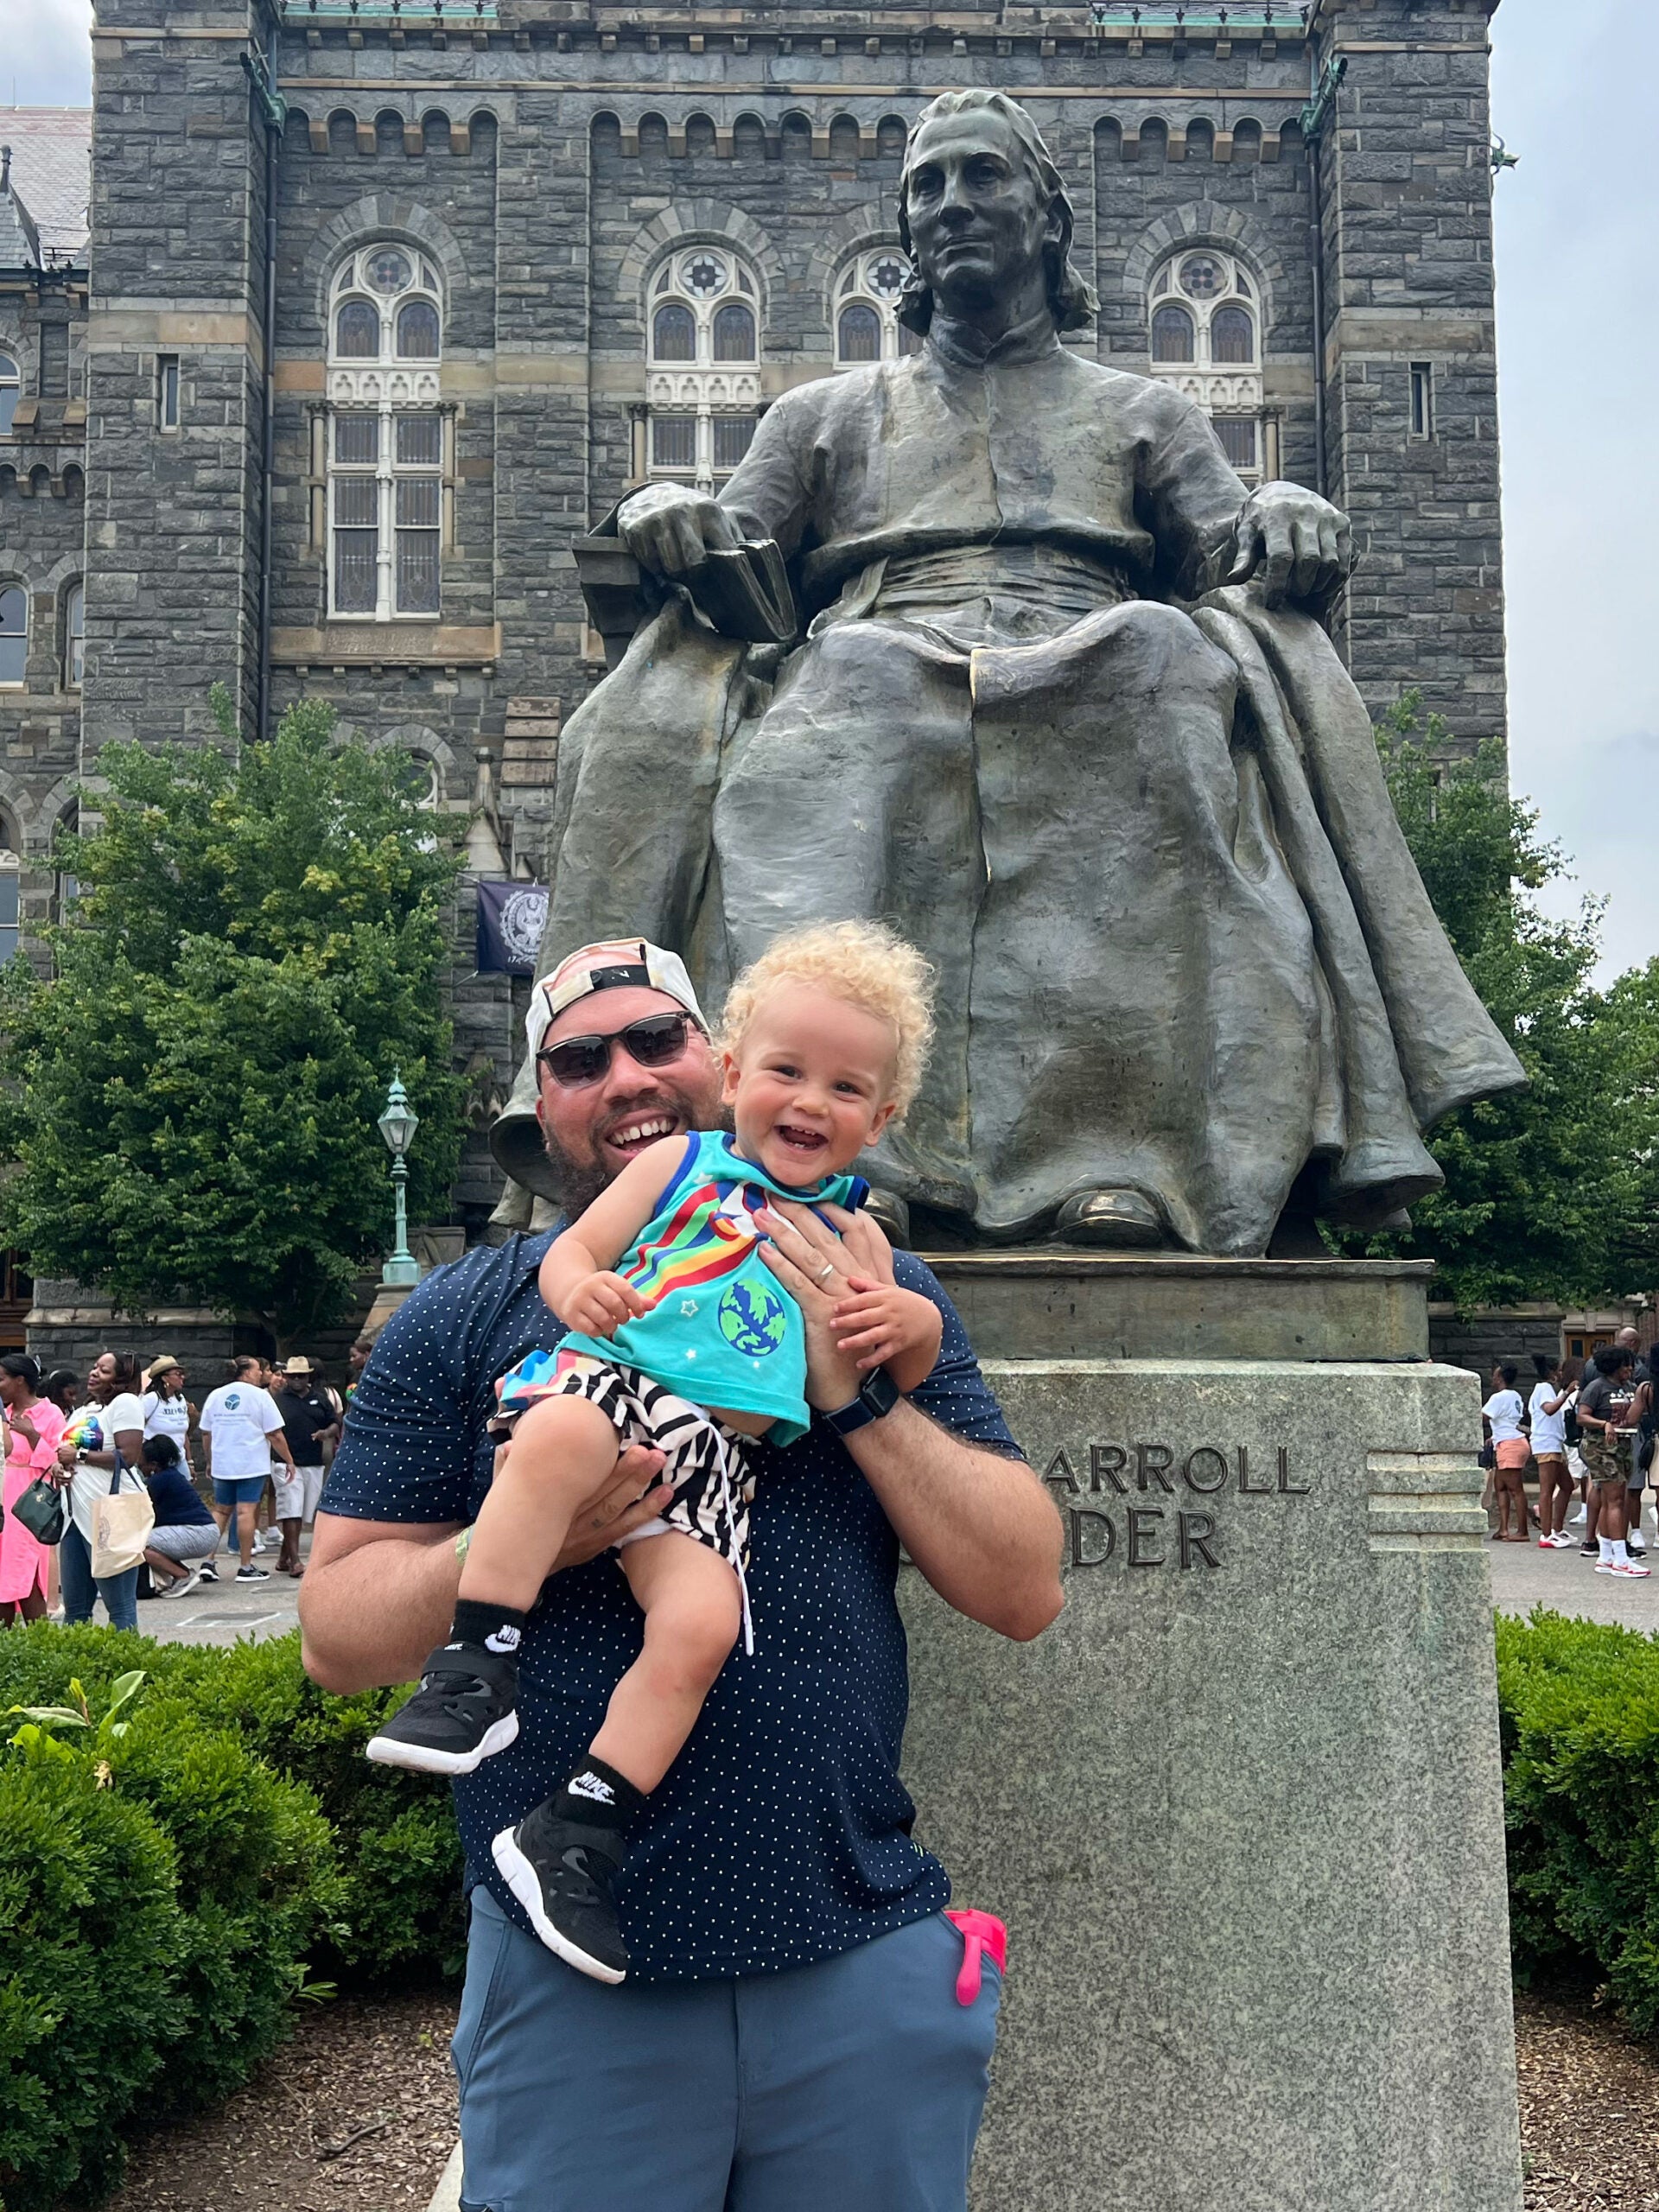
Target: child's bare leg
[
  {"x": 561, "y": 1450},
  {"x": 563, "y": 1860},
  {"x": 693, "y": 1609},
  {"x": 466, "y": 1709}
]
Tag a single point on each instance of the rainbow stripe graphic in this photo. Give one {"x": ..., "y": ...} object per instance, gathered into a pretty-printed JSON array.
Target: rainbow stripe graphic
[{"x": 702, "y": 1240}]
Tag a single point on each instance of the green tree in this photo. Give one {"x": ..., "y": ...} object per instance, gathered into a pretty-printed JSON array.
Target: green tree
[
  {"x": 257, "y": 941},
  {"x": 1548, "y": 1192}
]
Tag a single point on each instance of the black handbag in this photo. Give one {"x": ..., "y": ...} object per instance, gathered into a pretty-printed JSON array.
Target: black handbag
[{"x": 42, "y": 1510}]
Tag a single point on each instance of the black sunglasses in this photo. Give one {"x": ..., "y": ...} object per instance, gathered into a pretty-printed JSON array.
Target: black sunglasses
[{"x": 651, "y": 1042}]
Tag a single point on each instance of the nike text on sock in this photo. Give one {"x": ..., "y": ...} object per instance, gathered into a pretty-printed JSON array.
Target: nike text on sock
[
  {"x": 597, "y": 1793},
  {"x": 490, "y": 1627}
]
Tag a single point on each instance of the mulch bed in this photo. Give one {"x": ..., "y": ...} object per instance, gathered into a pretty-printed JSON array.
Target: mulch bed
[
  {"x": 359, "y": 2109},
  {"x": 1589, "y": 2110}
]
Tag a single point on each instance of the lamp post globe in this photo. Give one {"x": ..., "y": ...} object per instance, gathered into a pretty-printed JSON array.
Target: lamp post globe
[{"x": 397, "y": 1125}]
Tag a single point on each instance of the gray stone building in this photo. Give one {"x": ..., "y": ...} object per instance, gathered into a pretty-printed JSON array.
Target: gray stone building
[{"x": 377, "y": 306}]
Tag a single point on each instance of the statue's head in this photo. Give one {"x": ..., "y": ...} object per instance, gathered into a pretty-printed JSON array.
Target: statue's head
[{"x": 980, "y": 200}]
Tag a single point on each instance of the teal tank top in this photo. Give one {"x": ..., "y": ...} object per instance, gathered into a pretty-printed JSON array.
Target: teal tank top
[{"x": 719, "y": 1328}]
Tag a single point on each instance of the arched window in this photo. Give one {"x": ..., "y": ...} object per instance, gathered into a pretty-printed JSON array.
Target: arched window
[
  {"x": 427, "y": 782},
  {"x": 357, "y": 331},
  {"x": 1174, "y": 338},
  {"x": 14, "y": 634},
  {"x": 734, "y": 333},
  {"x": 858, "y": 333},
  {"x": 868, "y": 292},
  {"x": 417, "y": 332},
  {"x": 1206, "y": 336},
  {"x": 389, "y": 458},
  {"x": 703, "y": 369},
  {"x": 74, "y": 636},
  {"x": 65, "y": 889},
  {"x": 10, "y": 387},
  {"x": 11, "y": 888},
  {"x": 674, "y": 333},
  {"x": 1232, "y": 336}
]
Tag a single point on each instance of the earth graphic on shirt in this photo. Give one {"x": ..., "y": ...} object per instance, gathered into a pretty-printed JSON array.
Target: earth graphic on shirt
[{"x": 752, "y": 1320}]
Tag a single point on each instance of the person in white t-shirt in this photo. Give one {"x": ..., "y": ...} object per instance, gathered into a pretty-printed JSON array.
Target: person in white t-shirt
[
  {"x": 1546, "y": 1409},
  {"x": 99, "y": 1452},
  {"x": 243, "y": 1432},
  {"x": 1505, "y": 1420},
  {"x": 168, "y": 1411}
]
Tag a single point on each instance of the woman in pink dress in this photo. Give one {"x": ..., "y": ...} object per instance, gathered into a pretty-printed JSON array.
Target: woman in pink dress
[{"x": 33, "y": 1425}]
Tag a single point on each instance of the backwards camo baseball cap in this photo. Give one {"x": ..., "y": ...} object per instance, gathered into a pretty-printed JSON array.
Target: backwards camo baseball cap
[{"x": 617, "y": 964}]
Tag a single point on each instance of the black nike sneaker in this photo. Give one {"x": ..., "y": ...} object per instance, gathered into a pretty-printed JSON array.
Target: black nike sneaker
[
  {"x": 464, "y": 1711},
  {"x": 561, "y": 1871}
]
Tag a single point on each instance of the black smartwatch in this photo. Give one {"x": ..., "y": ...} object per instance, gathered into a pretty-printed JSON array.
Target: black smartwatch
[{"x": 878, "y": 1394}]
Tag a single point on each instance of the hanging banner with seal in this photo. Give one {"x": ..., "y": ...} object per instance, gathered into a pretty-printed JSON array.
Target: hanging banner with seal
[{"x": 510, "y": 919}]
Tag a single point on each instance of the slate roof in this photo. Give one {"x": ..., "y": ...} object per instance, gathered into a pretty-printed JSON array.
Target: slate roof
[{"x": 51, "y": 175}]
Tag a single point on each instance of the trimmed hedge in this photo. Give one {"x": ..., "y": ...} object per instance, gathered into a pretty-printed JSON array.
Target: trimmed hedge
[
  {"x": 399, "y": 1857},
  {"x": 164, "y": 1894},
  {"x": 1578, "y": 1707}
]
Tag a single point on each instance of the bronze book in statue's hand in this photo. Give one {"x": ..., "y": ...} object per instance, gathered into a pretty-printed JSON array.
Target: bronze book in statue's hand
[{"x": 744, "y": 591}]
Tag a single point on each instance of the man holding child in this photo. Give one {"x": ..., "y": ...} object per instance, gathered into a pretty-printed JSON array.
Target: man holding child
[{"x": 790, "y": 2033}]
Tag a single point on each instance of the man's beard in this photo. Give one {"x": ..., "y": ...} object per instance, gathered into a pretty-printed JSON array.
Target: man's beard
[{"x": 577, "y": 1183}]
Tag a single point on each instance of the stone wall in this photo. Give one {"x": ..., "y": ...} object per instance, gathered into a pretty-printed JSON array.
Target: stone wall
[
  {"x": 69, "y": 1325},
  {"x": 1407, "y": 183},
  {"x": 42, "y": 527},
  {"x": 176, "y": 273},
  {"x": 1495, "y": 1337}
]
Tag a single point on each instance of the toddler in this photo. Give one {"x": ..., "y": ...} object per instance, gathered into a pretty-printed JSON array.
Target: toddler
[{"x": 679, "y": 1336}]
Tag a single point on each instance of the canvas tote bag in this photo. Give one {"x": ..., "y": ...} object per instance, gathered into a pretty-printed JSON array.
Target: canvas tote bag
[{"x": 121, "y": 1526}]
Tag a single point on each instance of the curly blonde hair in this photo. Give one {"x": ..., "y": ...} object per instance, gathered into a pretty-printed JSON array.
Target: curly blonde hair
[{"x": 867, "y": 965}]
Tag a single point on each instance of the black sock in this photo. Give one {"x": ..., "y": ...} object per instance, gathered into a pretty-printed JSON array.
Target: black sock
[
  {"x": 493, "y": 1628},
  {"x": 598, "y": 1794}
]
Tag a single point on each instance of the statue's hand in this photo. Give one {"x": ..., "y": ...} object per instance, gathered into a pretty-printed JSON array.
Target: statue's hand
[
  {"x": 671, "y": 530},
  {"x": 1299, "y": 543}
]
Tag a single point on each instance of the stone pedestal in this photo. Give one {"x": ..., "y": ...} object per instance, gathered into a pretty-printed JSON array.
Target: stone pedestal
[{"x": 1241, "y": 1806}]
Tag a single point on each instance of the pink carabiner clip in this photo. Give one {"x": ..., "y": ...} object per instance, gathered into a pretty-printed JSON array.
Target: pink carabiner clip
[{"x": 982, "y": 1932}]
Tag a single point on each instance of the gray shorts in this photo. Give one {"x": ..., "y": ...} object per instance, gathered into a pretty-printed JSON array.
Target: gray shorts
[
  {"x": 855, "y": 2082},
  {"x": 189, "y": 1540}
]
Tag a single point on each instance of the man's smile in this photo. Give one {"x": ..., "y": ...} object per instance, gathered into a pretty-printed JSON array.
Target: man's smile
[{"x": 638, "y": 1129}]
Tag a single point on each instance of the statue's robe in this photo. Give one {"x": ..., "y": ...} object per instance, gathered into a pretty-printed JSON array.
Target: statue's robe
[{"x": 1136, "y": 820}]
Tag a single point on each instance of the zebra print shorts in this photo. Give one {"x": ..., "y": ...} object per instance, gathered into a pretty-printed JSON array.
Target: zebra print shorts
[{"x": 712, "y": 1474}]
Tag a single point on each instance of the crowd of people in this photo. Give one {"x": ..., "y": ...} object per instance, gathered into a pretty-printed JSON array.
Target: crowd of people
[
  {"x": 1592, "y": 1429},
  {"x": 240, "y": 1474}
]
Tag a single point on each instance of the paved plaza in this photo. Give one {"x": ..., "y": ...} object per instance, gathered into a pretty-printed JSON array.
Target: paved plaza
[
  {"x": 225, "y": 1611},
  {"x": 1523, "y": 1577},
  {"x": 1566, "y": 1582}
]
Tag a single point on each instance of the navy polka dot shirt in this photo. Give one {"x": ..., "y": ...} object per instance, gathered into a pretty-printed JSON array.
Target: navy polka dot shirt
[{"x": 781, "y": 1835}]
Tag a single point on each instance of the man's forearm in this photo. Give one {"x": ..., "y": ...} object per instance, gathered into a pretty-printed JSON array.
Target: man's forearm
[
  {"x": 370, "y": 1614},
  {"x": 980, "y": 1525}
]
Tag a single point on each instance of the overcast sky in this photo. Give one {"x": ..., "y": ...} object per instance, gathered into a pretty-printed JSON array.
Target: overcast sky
[{"x": 1576, "y": 316}]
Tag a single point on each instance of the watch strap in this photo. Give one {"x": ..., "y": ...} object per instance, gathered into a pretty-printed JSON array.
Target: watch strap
[{"x": 877, "y": 1395}]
